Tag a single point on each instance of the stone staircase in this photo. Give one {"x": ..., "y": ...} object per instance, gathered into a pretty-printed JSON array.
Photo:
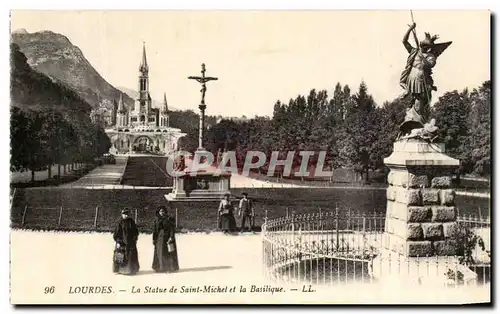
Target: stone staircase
[{"x": 146, "y": 171}]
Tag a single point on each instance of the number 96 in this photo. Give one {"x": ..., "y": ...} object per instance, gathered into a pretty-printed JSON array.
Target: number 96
[{"x": 49, "y": 290}]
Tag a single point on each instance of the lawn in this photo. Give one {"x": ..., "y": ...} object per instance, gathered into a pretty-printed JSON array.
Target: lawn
[{"x": 43, "y": 206}]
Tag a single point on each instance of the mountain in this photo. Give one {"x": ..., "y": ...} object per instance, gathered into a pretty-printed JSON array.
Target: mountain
[
  {"x": 58, "y": 62},
  {"x": 49, "y": 122},
  {"x": 55, "y": 56},
  {"x": 134, "y": 95},
  {"x": 32, "y": 90}
]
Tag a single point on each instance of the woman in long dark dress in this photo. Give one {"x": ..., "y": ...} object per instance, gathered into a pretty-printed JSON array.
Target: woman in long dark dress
[
  {"x": 165, "y": 257},
  {"x": 227, "y": 221},
  {"x": 125, "y": 236}
]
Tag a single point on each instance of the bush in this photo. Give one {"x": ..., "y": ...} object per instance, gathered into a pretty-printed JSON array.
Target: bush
[{"x": 466, "y": 241}]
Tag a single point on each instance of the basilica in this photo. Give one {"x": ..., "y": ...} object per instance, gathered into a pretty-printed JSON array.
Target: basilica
[
  {"x": 142, "y": 116},
  {"x": 142, "y": 128}
]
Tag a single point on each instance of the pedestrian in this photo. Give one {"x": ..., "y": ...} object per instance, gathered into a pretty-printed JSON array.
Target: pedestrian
[
  {"x": 226, "y": 214},
  {"x": 246, "y": 212},
  {"x": 165, "y": 258},
  {"x": 126, "y": 259}
]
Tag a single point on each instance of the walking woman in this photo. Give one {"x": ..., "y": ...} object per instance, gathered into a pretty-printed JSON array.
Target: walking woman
[
  {"x": 126, "y": 259},
  {"x": 165, "y": 257},
  {"x": 226, "y": 213}
]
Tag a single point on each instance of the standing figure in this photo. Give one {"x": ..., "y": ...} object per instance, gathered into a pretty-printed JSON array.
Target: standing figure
[
  {"x": 416, "y": 78},
  {"x": 227, "y": 223},
  {"x": 125, "y": 236},
  {"x": 165, "y": 257},
  {"x": 219, "y": 157},
  {"x": 246, "y": 212}
]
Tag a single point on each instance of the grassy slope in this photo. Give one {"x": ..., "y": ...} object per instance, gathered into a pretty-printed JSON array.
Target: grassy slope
[{"x": 79, "y": 206}]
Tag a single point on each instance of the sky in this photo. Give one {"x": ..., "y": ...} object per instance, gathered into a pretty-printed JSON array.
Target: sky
[{"x": 262, "y": 56}]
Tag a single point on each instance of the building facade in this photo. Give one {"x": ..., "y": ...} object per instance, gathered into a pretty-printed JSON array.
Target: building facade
[
  {"x": 142, "y": 128},
  {"x": 105, "y": 113}
]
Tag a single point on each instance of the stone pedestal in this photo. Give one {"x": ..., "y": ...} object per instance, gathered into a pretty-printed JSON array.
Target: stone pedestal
[
  {"x": 203, "y": 186},
  {"x": 420, "y": 200},
  {"x": 421, "y": 210}
]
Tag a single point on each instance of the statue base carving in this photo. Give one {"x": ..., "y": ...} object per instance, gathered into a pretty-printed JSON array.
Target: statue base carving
[
  {"x": 202, "y": 186},
  {"x": 413, "y": 120},
  {"x": 413, "y": 127}
]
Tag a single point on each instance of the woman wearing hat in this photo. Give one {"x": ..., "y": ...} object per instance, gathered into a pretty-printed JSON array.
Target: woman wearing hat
[
  {"x": 165, "y": 257},
  {"x": 227, "y": 223},
  {"x": 125, "y": 236}
]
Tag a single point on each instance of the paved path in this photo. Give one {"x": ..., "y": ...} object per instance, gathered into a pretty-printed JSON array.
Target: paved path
[
  {"x": 65, "y": 261},
  {"x": 84, "y": 259},
  {"x": 105, "y": 175}
]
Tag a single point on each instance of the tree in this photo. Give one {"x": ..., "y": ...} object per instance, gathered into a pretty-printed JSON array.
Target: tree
[
  {"x": 478, "y": 145},
  {"x": 19, "y": 134},
  {"x": 358, "y": 150},
  {"x": 35, "y": 144},
  {"x": 451, "y": 113},
  {"x": 189, "y": 122},
  {"x": 389, "y": 117},
  {"x": 50, "y": 123}
]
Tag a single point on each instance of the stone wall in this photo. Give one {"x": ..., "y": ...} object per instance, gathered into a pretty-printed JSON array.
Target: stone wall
[{"x": 421, "y": 212}]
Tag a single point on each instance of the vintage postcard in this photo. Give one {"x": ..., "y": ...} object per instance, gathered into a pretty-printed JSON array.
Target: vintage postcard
[{"x": 250, "y": 157}]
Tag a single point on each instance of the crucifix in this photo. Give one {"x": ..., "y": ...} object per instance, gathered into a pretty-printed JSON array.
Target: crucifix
[{"x": 202, "y": 80}]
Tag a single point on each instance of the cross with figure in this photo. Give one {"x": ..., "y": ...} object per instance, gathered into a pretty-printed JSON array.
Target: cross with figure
[{"x": 203, "y": 79}]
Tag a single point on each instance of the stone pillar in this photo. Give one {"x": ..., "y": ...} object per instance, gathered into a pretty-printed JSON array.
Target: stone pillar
[
  {"x": 225, "y": 183},
  {"x": 421, "y": 208},
  {"x": 202, "y": 127},
  {"x": 179, "y": 185},
  {"x": 421, "y": 214}
]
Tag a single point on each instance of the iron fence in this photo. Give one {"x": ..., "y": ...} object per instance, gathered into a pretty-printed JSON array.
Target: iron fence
[
  {"x": 105, "y": 218},
  {"x": 339, "y": 247},
  {"x": 86, "y": 219}
]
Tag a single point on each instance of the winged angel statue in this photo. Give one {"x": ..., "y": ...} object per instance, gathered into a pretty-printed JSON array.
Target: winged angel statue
[{"x": 417, "y": 80}]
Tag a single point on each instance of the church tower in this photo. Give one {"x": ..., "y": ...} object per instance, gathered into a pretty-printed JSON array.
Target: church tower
[
  {"x": 143, "y": 104},
  {"x": 164, "y": 112},
  {"x": 121, "y": 115}
]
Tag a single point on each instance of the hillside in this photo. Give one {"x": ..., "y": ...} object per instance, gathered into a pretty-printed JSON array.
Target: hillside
[
  {"x": 49, "y": 123},
  {"x": 55, "y": 56},
  {"x": 55, "y": 59},
  {"x": 32, "y": 90}
]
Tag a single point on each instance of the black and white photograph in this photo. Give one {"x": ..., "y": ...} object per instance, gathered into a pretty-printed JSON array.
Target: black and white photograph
[{"x": 250, "y": 157}]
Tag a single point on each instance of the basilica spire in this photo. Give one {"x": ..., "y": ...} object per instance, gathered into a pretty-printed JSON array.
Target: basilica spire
[
  {"x": 144, "y": 80},
  {"x": 144, "y": 63},
  {"x": 165, "y": 105},
  {"x": 121, "y": 107}
]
